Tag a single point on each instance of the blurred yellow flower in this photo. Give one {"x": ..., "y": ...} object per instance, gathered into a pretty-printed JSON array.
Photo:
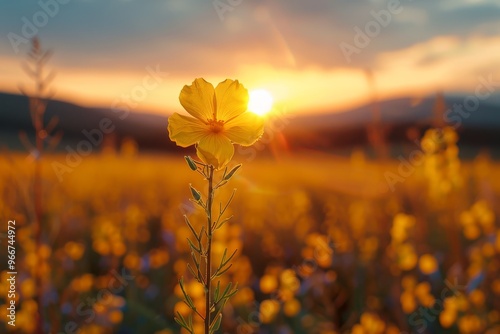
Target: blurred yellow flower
[
  {"x": 269, "y": 308},
  {"x": 428, "y": 264},
  {"x": 477, "y": 298},
  {"x": 28, "y": 288},
  {"x": 447, "y": 318},
  {"x": 268, "y": 283},
  {"x": 115, "y": 317},
  {"x": 220, "y": 119},
  {"x": 291, "y": 307},
  {"x": 407, "y": 257},
  {"x": 408, "y": 302},
  {"x": 74, "y": 250}
]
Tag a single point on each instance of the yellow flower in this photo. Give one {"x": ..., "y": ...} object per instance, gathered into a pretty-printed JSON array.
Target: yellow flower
[{"x": 220, "y": 119}]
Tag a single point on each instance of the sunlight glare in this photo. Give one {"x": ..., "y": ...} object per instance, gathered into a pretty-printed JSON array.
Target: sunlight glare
[{"x": 261, "y": 101}]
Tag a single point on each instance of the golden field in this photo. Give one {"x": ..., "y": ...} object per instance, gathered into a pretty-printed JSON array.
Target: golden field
[{"x": 324, "y": 244}]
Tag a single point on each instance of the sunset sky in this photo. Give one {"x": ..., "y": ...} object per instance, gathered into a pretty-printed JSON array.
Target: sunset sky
[{"x": 291, "y": 48}]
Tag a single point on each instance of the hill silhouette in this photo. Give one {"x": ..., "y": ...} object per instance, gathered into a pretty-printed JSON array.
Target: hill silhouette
[{"x": 324, "y": 131}]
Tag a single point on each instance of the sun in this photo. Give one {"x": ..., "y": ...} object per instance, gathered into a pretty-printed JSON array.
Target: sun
[{"x": 261, "y": 101}]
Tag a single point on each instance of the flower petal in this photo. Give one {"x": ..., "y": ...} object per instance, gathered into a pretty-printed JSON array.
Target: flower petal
[
  {"x": 232, "y": 99},
  {"x": 199, "y": 99},
  {"x": 185, "y": 130},
  {"x": 215, "y": 149},
  {"x": 245, "y": 129}
]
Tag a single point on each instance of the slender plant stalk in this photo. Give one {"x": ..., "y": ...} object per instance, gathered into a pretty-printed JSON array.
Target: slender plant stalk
[
  {"x": 38, "y": 110},
  {"x": 201, "y": 253},
  {"x": 37, "y": 184},
  {"x": 208, "y": 280},
  {"x": 37, "y": 58}
]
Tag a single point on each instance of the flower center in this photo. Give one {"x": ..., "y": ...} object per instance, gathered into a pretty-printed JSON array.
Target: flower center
[{"x": 216, "y": 126}]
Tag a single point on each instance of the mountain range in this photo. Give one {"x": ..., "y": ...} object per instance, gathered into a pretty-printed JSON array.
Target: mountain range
[{"x": 392, "y": 118}]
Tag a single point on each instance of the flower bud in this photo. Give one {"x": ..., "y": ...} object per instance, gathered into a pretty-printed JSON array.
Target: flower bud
[
  {"x": 196, "y": 194},
  {"x": 190, "y": 163}
]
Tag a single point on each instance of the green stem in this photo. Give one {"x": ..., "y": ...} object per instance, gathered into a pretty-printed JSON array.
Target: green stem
[{"x": 208, "y": 271}]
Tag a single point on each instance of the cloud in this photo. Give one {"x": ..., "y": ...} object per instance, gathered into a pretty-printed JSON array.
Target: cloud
[
  {"x": 280, "y": 33},
  {"x": 443, "y": 63},
  {"x": 114, "y": 38},
  {"x": 453, "y": 4}
]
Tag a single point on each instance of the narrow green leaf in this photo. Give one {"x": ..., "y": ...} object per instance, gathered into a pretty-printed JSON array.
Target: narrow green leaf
[
  {"x": 224, "y": 221},
  {"x": 227, "y": 204},
  {"x": 193, "y": 246},
  {"x": 201, "y": 233},
  {"x": 188, "y": 299},
  {"x": 223, "y": 256},
  {"x": 231, "y": 294},
  {"x": 191, "y": 270},
  {"x": 196, "y": 262},
  {"x": 231, "y": 173},
  {"x": 217, "y": 290},
  {"x": 225, "y": 172},
  {"x": 223, "y": 263},
  {"x": 188, "y": 223},
  {"x": 228, "y": 294},
  {"x": 221, "y": 272},
  {"x": 221, "y": 183},
  {"x": 226, "y": 290},
  {"x": 216, "y": 323},
  {"x": 182, "y": 322},
  {"x": 189, "y": 302}
]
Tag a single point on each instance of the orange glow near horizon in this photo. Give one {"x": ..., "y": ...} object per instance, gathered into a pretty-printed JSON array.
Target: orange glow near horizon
[{"x": 440, "y": 64}]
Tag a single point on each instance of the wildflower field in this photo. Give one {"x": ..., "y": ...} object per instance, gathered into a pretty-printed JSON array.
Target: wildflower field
[
  {"x": 250, "y": 167},
  {"x": 325, "y": 244}
]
